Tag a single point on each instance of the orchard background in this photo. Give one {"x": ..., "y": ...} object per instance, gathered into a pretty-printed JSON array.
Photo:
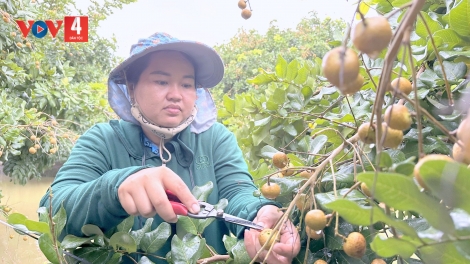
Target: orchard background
[{"x": 275, "y": 98}]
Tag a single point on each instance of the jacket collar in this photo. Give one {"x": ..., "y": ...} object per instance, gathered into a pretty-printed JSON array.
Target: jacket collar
[{"x": 130, "y": 135}]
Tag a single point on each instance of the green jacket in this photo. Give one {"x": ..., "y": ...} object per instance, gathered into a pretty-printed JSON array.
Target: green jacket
[{"x": 108, "y": 153}]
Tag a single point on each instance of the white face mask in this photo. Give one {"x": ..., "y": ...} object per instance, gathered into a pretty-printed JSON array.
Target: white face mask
[{"x": 162, "y": 132}]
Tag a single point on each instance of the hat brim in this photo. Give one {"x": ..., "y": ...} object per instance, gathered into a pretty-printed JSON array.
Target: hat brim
[{"x": 209, "y": 65}]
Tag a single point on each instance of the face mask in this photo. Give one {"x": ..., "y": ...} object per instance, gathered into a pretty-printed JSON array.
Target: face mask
[{"x": 162, "y": 132}]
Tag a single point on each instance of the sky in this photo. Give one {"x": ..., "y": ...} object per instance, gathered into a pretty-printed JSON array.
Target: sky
[{"x": 210, "y": 21}]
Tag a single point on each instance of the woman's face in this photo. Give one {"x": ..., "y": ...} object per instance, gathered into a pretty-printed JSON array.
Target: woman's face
[{"x": 166, "y": 91}]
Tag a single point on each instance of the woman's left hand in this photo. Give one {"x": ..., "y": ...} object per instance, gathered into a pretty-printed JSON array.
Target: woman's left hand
[{"x": 283, "y": 251}]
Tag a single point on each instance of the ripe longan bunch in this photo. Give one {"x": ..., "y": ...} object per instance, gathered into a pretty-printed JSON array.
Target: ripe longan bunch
[{"x": 246, "y": 13}]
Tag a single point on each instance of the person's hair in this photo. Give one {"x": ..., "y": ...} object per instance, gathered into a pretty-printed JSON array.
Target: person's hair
[{"x": 134, "y": 70}]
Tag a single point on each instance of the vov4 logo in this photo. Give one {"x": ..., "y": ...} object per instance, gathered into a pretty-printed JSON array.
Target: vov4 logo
[{"x": 75, "y": 28}]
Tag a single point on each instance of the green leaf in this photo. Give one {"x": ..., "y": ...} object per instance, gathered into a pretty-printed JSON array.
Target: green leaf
[
  {"x": 59, "y": 219},
  {"x": 327, "y": 197},
  {"x": 187, "y": 224},
  {"x": 360, "y": 215},
  {"x": 302, "y": 75},
  {"x": 279, "y": 96},
  {"x": 447, "y": 36},
  {"x": 459, "y": 19},
  {"x": 462, "y": 225},
  {"x": 96, "y": 255},
  {"x": 433, "y": 25},
  {"x": 262, "y": 122},
  {"x": 16, "y": 218},
  {"x": 268, "y": 151},
  {"x": 317, "y": 144},
  {"x": 145, "y": 260},
  {"x": 126, "y": 224},
  {"x": 450, "y": 55},
  {"x": 188, "y": 249},
  {"x": 405, "y": 168},
  {"x": 292, "y": 70},
  {"x": 202, "y": 192},
  {"x": 47, "y": 247},
  {"x": 262, "y": 78},
  {"x": 138, "y": 234},
  {"x": 240, "y": 255},
  {"x": 37, "y": 226},
  {"x": 441, "y": 253},
  {"x": 229, "y": 242},
  {"x": 343, "y": 180},
  {"x": 449, "y": 181},
  {"x": 123, "y": 241},
  {"x": 90, "y": 230},
  {"x": 454, "y": 71},
  {"x": 72, "y": 242},
  {"x": 260, "y": 134},
  {"x": 392, "y": 246},
  {"x": 229, "y": 104},
  {"x": 154, "y": 240},
  {"x": 281, "y": 67},
  {"x": 385, "y": 160},
  {"x": 400, "y": 192}
]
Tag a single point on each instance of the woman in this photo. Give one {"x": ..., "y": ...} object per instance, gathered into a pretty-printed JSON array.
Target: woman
[{"x": 167, "y": 139}]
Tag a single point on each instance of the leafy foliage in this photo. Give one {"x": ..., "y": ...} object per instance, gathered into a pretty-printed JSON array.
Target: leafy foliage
[
  {"x": 301, "y": 114},
  {"x": 50, "y": 91},
  {"x": 98, "y": 247}
]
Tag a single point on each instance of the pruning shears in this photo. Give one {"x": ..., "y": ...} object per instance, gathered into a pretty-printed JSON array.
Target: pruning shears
[{"x": 208, "y": 211}]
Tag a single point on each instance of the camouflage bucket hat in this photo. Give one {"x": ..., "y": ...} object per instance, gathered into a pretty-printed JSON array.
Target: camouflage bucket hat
[{"x": 209, "y": 70}]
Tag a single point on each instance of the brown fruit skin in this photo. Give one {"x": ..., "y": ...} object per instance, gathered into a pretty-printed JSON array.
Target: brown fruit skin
[
  {"x": 280, "y": 160},
  {"x": 306, "y": 174},
  {"x": 393, "y": 138},
  {"x": 372, "y": 35},
  {"x": 463, "y": 131},
  {"x": 420, "y": 163},
  {"x": 366, "y": 133},
  {"x": 287, "y": 171},
  {"x": 402, "y": 84},
  {"x": 315, "y": 219},
  {"x": 331, "y": 66},
  {"x": 37, "y": 146},
  {"x": 320, "y": 261},
  {"x": 270, "y": 191},
  {"x": 352, "y": 87},
  {"x": 264, "y": 236},
  {"x": 32, "y": 150},
  {"x": 461, "y": 154},
  {"x": 365, "y": 189},
  {"x": 378, "y": 261},
  {"x": 303, "y": 203},
  {"x": 355, "y": 245},
  {"x": 398, "y": 117},
  {"x": 246, "y": 13},
  {"x": 242, "y": 4},
  {"x": 313, "y": 234}
]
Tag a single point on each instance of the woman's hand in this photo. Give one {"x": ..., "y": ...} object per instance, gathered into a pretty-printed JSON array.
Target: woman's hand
[
  {"x": 283, "y": 251},
  {"x": 143, "y": 193}
]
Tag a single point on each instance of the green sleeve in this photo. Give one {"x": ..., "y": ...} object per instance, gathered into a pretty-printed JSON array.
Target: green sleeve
[
  {"x": 234, "y": 181},
  {"x": 87, "y": 186}
]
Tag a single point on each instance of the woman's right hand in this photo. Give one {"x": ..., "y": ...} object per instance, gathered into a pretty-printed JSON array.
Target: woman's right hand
[{"x": 143, "y": 193}]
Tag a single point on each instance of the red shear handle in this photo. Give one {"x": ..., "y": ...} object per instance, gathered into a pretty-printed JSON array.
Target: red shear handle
[{"x": 178, "y": 207}]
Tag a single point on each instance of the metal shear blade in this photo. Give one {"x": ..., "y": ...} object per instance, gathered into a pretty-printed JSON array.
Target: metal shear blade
[{"x": 208, "y": 210}]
